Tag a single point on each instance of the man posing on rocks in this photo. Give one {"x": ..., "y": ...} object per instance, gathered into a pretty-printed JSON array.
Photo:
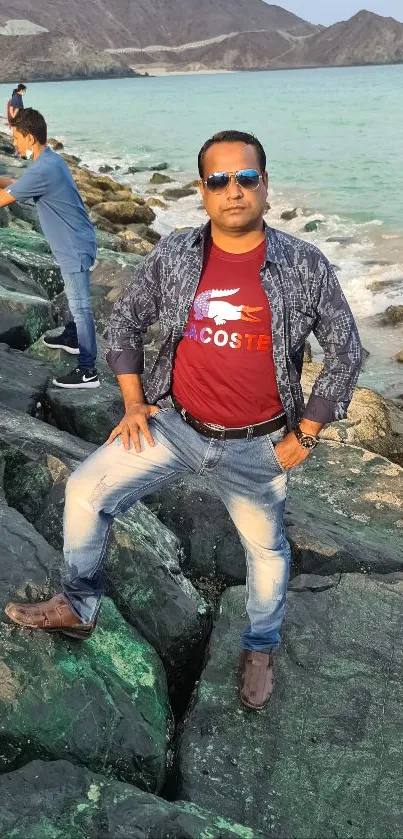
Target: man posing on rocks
[
  {"x": 71, "y": 236},
  {"x": 235, "y": 301}
]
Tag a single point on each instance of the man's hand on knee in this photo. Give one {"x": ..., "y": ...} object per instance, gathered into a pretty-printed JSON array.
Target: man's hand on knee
[{"x": 134, "y": 422}]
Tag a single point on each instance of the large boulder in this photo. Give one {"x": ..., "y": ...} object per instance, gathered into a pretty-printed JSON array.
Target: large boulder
[
  {"x": 371, "y": 420},
  {"x": 25, "y": 311},
  {"x": 322, "y": 759},
  {"x": 90, "y": 414},
  {"x": 13, "y": 239},
  {"x": 174, "y": 193},
  {"x": 29, "y": 252},
  {"x": 23, "y": 382},
  {"x": 102, "y": 703},
  {"x": 125, "y": 212},
  {"x": 142, "y": 570},
  {"x": 28, "y": 213},
  {"x": 393, "y": 315},
  {"x": 56, "y": 799}
]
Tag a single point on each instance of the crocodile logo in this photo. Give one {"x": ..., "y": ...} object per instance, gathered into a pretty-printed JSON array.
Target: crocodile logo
[{"x": 207, "y": 305}]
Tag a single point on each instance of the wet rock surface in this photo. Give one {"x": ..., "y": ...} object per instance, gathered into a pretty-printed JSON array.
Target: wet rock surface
[
  {"x": 321, "y": 760},
  {"x": 58, "y": 799},
  {"x": 102, "y": 703}
]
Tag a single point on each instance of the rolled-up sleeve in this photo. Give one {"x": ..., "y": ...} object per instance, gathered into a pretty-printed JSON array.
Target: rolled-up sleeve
[
  {"x": 135, "y": 310},
  {"x": 337, "y": 333}
]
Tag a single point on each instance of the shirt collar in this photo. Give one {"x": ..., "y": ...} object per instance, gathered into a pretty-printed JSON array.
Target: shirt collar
[{"x": 274, "y": 248}]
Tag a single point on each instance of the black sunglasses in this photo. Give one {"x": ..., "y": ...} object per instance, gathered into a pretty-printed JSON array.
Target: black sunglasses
[{"x": 245, "y": 178}]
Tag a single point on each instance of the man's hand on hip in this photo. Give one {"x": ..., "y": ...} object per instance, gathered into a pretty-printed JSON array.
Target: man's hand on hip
[
  {"x": 134, "y": 422},
  {"x": 290, "y": 452}
]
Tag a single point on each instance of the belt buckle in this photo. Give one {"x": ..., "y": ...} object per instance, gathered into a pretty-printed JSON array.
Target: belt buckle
[
  {"x": 183, "y": 414},
  {"x": 219, "y": 428}
]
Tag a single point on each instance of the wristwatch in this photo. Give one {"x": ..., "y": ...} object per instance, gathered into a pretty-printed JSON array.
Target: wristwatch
[{"x": 307, "y": 441}]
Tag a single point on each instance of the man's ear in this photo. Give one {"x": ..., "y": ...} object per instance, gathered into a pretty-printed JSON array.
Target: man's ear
[
  {"x": 265, "y": 179},
  {"x": 201, "y": 189}
]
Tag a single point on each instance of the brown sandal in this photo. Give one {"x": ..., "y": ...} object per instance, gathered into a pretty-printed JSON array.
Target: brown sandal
[{"x": 53, "y": 615}]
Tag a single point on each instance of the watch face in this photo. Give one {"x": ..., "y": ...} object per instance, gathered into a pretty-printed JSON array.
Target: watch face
[{"x": 309, "y": 442}]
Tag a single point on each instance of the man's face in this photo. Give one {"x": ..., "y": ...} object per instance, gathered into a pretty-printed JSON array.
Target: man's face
[
  {"x": 237, "y": 208},
  {"x": 21, "y": 143}
]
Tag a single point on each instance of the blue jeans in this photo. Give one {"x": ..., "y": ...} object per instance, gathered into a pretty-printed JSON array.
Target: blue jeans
[
  {"x": 82, "y": 328},
  {"x": 245, "y": 473}
]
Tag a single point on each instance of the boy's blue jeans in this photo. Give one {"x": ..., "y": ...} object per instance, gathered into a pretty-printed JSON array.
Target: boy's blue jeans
[
  {"x": 82, "y": 328},
  {"x": 246, "y": 475}
]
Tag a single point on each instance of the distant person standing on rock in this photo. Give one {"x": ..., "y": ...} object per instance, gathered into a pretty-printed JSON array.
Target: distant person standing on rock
[
  {"x": 15, "y": 104},
  {"x": 236, "y": 301},
  {"x": 71, "y": 236}
]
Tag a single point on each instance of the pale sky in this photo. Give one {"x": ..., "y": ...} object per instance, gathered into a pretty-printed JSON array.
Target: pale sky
[{"x": 331, "y": 11}]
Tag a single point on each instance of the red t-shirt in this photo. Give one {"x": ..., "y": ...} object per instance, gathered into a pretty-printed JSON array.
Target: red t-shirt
[{"x": 224, "y": 370}]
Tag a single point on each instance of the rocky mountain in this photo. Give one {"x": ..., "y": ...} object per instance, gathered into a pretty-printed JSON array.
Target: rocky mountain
[
  {"x": 47, "y": 56},
  {"x": 131, "y": 23},
  {"x": 366, "y": 38},
  {"x": 40, "y": 39}
]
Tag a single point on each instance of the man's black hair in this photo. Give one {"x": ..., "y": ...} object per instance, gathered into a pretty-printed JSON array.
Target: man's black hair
[
  {"x": 233, "y": 137},
  {"x": 29, "y": 121},
  {"x": 21, "y": 86}
]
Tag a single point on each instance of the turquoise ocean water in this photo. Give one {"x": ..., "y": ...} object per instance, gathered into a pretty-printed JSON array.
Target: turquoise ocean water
[{"x": 334, "y": 141}]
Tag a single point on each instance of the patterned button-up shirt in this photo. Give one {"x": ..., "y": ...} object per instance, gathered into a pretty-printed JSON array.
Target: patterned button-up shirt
[{"x": 304, "y": 296}]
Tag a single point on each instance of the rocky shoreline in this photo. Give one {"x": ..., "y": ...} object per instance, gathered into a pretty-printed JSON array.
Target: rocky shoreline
[{"x": 139, "y": 731}]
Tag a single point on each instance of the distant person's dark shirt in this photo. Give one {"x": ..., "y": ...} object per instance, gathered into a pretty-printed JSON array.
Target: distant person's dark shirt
[{"x": 16, "y": 101}]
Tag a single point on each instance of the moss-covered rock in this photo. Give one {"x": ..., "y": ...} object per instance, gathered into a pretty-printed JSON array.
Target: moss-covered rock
[
  {"x": 370, "y": 420},
  {"x": 102, "y": 703},
  {"x": 30, "y": 252},
  {"x": 25, "y": 312},
  {"x": 57, "y": 800},
  {"x": 142, "y": 569},
  {"x": 125, "y": 212},
  {"x": 322, "y": 759}
]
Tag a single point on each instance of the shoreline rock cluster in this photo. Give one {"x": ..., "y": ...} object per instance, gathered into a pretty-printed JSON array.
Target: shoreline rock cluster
[{"x": 139, "y": 730}]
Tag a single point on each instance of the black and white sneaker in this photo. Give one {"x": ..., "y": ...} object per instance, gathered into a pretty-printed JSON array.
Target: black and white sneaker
[
  {"x": 60, "y": 342},
  {"x": 81, "y": 377}
]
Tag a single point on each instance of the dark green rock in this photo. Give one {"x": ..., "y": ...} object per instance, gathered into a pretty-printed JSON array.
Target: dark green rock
[
  {"x": 179, "y": 192},
  {"x": 289, "y": 215},
  {"x": 27, "y": 212},
  {"x": 323, "y": 758},
  {"x": 29, "y": 567},
  {"x": 11, "y": 239},
  {"x": 23, "y": 382},
  {"x": 158, "y": 178},
  {"x": 142, "y": 570},
  {"x": 146, "y": 167},
  {"x": 4, "y": 217},
  {"x": 30, "y": 252},
  {"x": 25, "y": 311},
  {"x": 57, "y": 800},
  {"x": 311, "y": 226},
  {"x": 345, "y": 512},
  {"x": 90, "y": 414},
  {"x": 101, "y": 703}
]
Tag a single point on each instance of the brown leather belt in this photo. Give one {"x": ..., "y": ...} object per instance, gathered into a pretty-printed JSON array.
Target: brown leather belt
[{"x": 219, "y": 432}]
